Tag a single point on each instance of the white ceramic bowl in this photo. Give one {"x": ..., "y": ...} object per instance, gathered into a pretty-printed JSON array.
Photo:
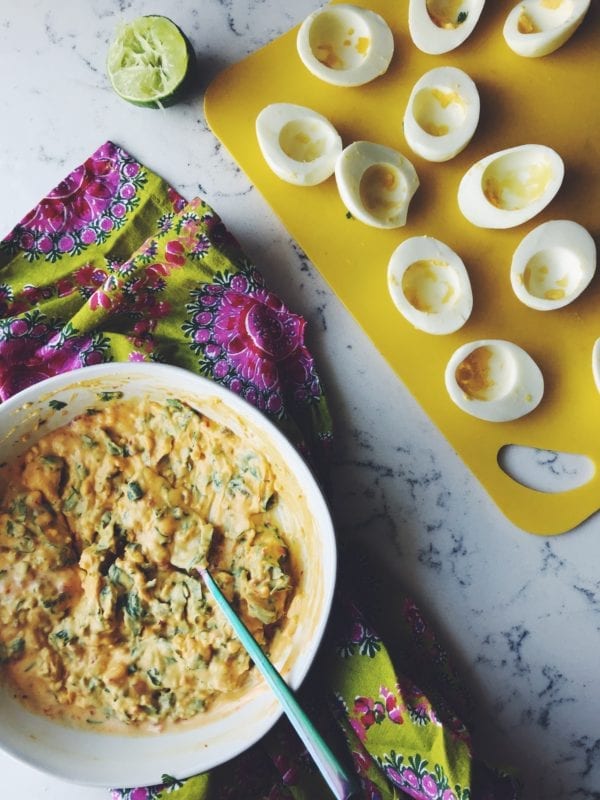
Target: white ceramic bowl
[{"x": 232, "y": 724}]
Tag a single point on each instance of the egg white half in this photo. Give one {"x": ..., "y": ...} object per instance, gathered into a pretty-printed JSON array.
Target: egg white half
[
  {"x": 442, "y": 114},
  {"x": 429, "y": 285},
  {"x": 438, "y": 26},
  {"x": 345, "y": 45},
  {"x": 553, "y": 265},
  {"x": 511, "y": 186},
  {"x": 536, "y": 28},
  {"x": 376, "y": 184},
  {"x": 494, "y": 380},
  {"x": 300, "y": 145}
]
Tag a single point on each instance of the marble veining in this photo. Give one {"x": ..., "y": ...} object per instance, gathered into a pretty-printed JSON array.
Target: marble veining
[{"x": 520, "y": 614}]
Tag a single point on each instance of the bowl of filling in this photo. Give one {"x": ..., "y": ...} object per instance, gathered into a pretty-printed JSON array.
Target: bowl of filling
[{"x": 115, "y": 664}]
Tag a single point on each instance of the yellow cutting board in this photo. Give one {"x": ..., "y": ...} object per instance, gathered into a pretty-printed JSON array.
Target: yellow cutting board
[{"x": 554, "y": 101}]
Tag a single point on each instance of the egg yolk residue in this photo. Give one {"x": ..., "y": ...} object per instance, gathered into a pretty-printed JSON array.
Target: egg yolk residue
[
  {"x": 474, "y": 374},
  {"x": 378, "y": 189},
  {"x": 446, "y": 13},
  {"x": 428, "y": 285},
  {"x": 513, "y": 189}
]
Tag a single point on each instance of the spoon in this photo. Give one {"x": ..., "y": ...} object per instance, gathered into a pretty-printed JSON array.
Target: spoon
[{"x": 341, "y": 783}]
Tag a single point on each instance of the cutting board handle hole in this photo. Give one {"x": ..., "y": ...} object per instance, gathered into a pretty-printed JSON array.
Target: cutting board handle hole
[{"x": 549, "y": 471}]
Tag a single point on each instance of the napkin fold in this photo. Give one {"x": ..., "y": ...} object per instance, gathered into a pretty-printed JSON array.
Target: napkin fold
[{"x": 114, "y": 264}]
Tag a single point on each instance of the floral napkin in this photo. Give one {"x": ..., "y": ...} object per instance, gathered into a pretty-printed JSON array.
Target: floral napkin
[{"x": 113, "y": 264}]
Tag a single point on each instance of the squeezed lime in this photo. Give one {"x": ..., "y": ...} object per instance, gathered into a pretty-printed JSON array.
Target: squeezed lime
[{"x": 149, "y": 61}]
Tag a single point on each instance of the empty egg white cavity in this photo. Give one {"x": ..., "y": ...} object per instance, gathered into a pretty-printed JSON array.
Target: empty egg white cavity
[
  {"x": 429, "y": 285},
  {"x": 438, "y": 26},
  {"x": 511, "y": 186},
  {"x": 494, "y": 380},
  {"x": 442, "y": 114},
  {"x": 553, "y": 265},
  {"x": 345, "y": 45},
  {"x": 300, "y": 145},
  {"x": 536, "y": 28},
  {"x": 376, "y": 184}
]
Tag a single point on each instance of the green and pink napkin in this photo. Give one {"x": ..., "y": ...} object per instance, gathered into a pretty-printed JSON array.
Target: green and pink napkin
[{"x": 114, "y": 265}]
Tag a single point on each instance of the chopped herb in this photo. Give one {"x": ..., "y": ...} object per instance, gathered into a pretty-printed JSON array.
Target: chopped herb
[
  {"x": 56, "y": 404},
  {"x": 62, "y": 635},
  {"x": 105, "y": 518},
  {"x": 171, "y": 401},
  {"x": 18, "y": 509},
  {"x": 106, "y": 396},
  {"x": 462, "y": 17},
  {"x": 94, "y": 721},
  {"x": 71, "y": 501},
  {"x": 91, "y": 412},
  {"x": 154, "y": 676},
  {"x": 116, "y": 449},
  {"x": 134, "y": 491},
  {"x": 88, "y": 441},
  {"x": 13, "y": 650},
  {"x": 132, "y": 605},
  {"x": 349, "y": 215},
  {"x": 52, "y": 461}
]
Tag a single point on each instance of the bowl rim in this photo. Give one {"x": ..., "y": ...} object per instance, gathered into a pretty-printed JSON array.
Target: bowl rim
[{"x": 203, "y": 386}]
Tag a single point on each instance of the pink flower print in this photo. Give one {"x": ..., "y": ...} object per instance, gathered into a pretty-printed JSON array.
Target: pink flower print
[
  {"x": 100, "y": 300},
  {"x": 64, "y": 287},
  {"x": 391, "y": 706},
  {"x": 448, "y": 794},
  {"x": 79, "y": 199},
  {"x": 409, "y": 777},
  {"x": 158, "y": 269},
  {"x": 359, "y": 729},
  {"x": 370, "y": 712},
  {"x": 429, "y": 786},
  {"x": 175, "y": 253},
  {"x": 135, "y": 355},
  {"x": 141, "y": 793},
  {"x": 177, "y": 201},
  {"x": 90, "y": 276}
]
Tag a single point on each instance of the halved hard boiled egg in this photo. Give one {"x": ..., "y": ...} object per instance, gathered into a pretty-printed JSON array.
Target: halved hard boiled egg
[
  {"x": 494, "y": 380},
  {"x": 345, "y": 45},
  {"x": 429, "y": 285},
  {"x": 536, "y": 28},
  {"x": 511, "y": 186},
  {"x": 442, "y": 114},
  {"x": 376, "y": 184},
  {"x": 553, "y": 264},
  {"x": 438, "y": 26},
  {"x": 300, "y": 145}
]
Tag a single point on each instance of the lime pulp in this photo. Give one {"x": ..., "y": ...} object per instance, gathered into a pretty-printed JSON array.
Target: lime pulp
[{"x": 148, "y": 61}]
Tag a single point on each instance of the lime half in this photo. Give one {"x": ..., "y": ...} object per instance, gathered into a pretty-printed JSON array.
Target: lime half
[{"x": 149, "y": 61}]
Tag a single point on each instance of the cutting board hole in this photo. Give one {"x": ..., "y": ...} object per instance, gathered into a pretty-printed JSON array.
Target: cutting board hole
[{"x": 548, "y": 471}]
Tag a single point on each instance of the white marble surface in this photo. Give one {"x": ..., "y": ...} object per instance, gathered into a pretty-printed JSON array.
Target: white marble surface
[{"x": 520, "y": 613}]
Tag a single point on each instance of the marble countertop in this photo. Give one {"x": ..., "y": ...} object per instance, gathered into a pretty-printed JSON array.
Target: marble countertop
[{"x": 519, "y": 613}]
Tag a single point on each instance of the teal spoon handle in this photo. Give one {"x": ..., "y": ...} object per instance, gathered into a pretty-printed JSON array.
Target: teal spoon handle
[{"x": 338, "y": 779}]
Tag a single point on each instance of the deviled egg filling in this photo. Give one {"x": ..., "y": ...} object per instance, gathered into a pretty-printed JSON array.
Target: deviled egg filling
[{"x": 96, "y": 624}]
